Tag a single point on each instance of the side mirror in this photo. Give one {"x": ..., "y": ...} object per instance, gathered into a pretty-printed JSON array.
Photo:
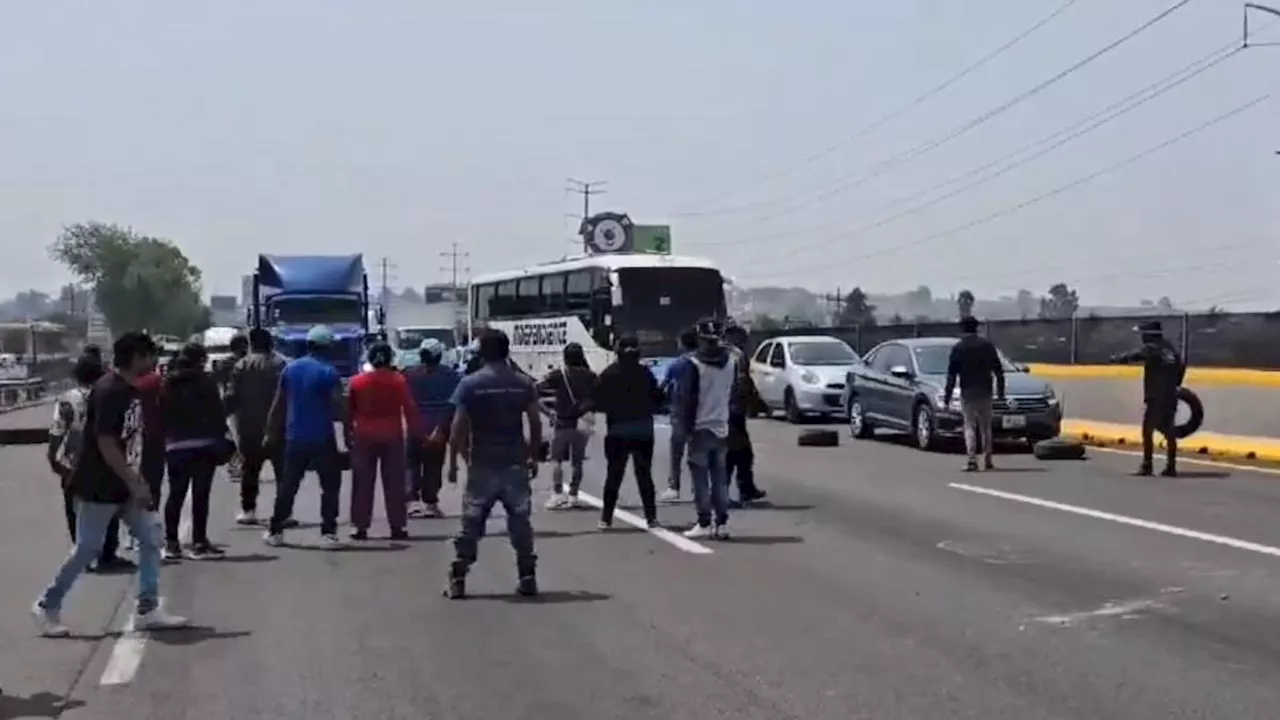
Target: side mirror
[{"x": 901, "y": 371}]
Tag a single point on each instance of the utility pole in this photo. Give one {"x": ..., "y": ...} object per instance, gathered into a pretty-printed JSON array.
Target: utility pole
[
  {"x": 386, "y": 266},
  {"x": 454, "y": 257},
  {"x": 838, "y": 301},
  {"x": 586, "y": 190}
]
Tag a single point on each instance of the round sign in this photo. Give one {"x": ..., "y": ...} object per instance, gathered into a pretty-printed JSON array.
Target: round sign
[{"x": 609, "y": 236}]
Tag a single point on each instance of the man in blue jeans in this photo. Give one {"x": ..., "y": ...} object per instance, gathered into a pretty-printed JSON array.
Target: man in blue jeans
[
  {"x": 492, "y": 406},
  {"x": 309, "y": 391},
  {"x": 107, "y": 483},
  {"x": 679, "y": 439},
  {"x": 707, "y": 383}
]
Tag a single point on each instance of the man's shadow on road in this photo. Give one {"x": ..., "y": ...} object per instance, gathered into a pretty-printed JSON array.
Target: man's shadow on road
[{"x": 36, "y": 705}]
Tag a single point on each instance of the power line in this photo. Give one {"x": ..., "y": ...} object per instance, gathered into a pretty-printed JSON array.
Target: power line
[
  {"x": 453, "y": 268},
  {"x": 1063, "y": 136},
  {"x": 849, "y": 182},
  {"x": 1044, "y": 196},
  {"x": 586, "y": 190},
  {"x": 890, "y": 117}
]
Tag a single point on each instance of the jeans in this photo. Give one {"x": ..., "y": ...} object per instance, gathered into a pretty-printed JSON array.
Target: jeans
[
  {"x": 425, "y": 471},
  {"x": 708, "y": 475},
  {"x": 679, "y": 442},
  {"x": 368, "y": 456},
  {"x": 485, "y": 487},
  {"x": 568, "y": 444},
  {"x": 192, "y": 469},
  {"x": 253, "y": 459},
  {"x": 616, "y": 452},
  {"x": 111, "y": 538},
  {"x": 92, "y": 521},
  {"x": 977, "y": 414},
  {"x": 320, "y": 457}
]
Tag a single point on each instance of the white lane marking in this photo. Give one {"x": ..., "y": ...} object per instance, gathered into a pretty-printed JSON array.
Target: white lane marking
[
  {"x": 129, "y": 648},
  {"x": 675, "y": 539},
  {"x": 1197, "y": 461},
  {"x": 126, "y": 655},
  {"x": 1125, "y": 520}
]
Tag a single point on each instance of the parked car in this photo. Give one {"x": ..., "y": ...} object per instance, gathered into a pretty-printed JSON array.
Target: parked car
[
  {"x": 802, "y": 375},
  {"x": 899, "y": 387}
]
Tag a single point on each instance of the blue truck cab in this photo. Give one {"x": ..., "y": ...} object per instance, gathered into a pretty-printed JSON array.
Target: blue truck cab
[{"x": 293, "y": 293}]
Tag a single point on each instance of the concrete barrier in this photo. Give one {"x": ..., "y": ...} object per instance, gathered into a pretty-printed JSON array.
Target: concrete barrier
[
  {"x": 1195, "y": 375},
  {"x": 1211, "y": 445}
]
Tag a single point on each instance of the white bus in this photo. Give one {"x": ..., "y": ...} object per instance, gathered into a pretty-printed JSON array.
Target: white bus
[{"x": 594, "y": 299}]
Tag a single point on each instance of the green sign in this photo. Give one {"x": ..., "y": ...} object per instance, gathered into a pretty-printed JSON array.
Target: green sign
[{"x": 651, "y": 239}]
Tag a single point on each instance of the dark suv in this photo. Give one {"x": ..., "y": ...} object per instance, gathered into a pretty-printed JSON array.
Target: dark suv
[{"x": 899, "y": 387}]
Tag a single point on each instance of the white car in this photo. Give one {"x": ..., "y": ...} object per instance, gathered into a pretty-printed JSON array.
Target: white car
[{"x": 803, "y": 375}]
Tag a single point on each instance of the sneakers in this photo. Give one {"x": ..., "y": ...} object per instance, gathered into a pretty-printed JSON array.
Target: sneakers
[
  {"x": 456, "y": 588},
  {"x": 971, "y": 465},
  {"x": 604, "y": 525},
  {"x": 559, "y": 501},
  {"x": 358, "y": 535},
  {"x": 721, "y": 531},
  {"x": 205, "y": 551},
  {"x": 432, "y": 510},
  {"x": 527, "y": 586},
  {"x": 417, "y": 509},
  {"x": 247, "y": 517},
  {"x": 988, "y": 463},
  {"x": 48, "y": 622},
  {"x": 669, "y": 495},
  {"x": 171, "y": 552},
  {"x": 331, "y": 541},
  {"x": 698, "y": 532},
  {"x": 399, "y": 534},
  {"x": 158, "y": 619},
  {"x": 273, "y": 539}
]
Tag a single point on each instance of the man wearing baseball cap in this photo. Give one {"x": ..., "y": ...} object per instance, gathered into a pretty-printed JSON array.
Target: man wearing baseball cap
[
  {"x": 1162, "y": 375},
  {"x": 310, "y": 391}
]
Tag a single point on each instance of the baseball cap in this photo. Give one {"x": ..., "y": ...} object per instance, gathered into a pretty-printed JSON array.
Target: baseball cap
[
  {"x": 320, "y": 335},
  {"x": 432, "y": 347},
  {"x": 709, "y": 329}
]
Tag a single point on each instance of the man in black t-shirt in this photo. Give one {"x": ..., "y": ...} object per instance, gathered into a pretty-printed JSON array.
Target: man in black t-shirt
[{"x": 107, "y": 484}]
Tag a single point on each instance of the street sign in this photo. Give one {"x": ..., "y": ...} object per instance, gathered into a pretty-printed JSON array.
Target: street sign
[{"x": 651, "y": 239}]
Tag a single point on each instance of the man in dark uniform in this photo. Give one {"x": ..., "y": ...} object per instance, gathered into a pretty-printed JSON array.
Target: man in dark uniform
[
  {"x": 1163, "y": 372},
  {"x": 740, "y": 462}
]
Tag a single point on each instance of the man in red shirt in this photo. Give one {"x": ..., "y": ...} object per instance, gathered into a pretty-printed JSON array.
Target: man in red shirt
[{"x": 381, "y": 407}]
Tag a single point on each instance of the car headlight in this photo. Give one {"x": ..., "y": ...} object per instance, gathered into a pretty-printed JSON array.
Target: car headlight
[
  {"x": 940, "y": 402},
  {"x": 808, "y": 377},
  {"x": 1052, "y": 396}
]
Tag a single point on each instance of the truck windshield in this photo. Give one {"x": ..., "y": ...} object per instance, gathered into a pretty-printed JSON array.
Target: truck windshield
[
  {"x": 315, "y": 310},
  {"x": 411, "y": 338},
  {"x": 660, "y": 303}
]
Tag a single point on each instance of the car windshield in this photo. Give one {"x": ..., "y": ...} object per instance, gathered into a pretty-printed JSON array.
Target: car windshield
[
  {"x": 411, "y": 338},
  {"x": 934, "y": 359},
  {"x": 825, "y": 352}
]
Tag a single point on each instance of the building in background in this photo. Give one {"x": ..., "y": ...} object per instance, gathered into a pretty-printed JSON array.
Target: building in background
[{"x": 225, "y": 311}]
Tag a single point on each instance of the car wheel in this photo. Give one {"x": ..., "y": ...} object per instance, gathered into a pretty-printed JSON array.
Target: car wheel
[
  {"x": 794, "y": 416},
  {"x": 923, "y": 428},
  {"x": 858, "y": 425}
]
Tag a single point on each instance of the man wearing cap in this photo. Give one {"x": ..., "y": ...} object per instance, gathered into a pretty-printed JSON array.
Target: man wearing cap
[
  {"x": 707, "y": 384},
  {"x": 310, "y": 390},
  {"x": 1163, "y": 373},
  {"x": 491, "y": 408},
  {"x": 432, "y": 385}
]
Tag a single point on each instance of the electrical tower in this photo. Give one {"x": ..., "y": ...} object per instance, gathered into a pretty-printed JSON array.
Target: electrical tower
[
  {"x": 454, "y": 268},
  {"x": 386, "y": 267},
  {"x": 586, "y": 190}
]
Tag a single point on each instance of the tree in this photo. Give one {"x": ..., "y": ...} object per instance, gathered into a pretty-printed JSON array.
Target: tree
[
  {"x": 1165, "y": 305},
  {"x": 857, "y": 311},
  {"x": 139, "y": 282},
  {"x": 1061, "y": 303},
  {"x": 767, "y": 323},
  {"x": 921, "y": 298},
  {"x": 965, "y": 302},
  {"x": 897, "y": 319},
  {"x": 1026, "y": 303}
]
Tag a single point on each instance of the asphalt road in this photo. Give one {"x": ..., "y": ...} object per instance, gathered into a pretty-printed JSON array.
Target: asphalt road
[{"x": 871, "y": 588}]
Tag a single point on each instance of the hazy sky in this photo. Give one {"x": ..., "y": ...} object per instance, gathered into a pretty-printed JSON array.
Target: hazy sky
[{"x": 395, "y": 127}]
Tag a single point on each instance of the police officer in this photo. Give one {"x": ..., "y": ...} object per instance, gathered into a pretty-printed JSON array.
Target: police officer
[
  {"x": 1163, "y": 372},
  {"x": 492, "y": 406}
]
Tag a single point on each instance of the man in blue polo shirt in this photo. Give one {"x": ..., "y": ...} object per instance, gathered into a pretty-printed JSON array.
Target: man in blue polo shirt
[{"x": 310, "y": 390}]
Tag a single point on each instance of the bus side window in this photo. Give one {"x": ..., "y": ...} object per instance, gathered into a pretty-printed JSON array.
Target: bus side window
[
  {"x": 483, "y": 302},
  {"x": 504, "y": 300},
  {"x": 553, "y": 297},
  {"x": 529, "y": 298},
  {"x": 578, "y": 287}
]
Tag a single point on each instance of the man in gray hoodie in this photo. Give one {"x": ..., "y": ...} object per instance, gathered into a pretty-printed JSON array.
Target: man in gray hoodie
[{"x": 708, "y": 382}]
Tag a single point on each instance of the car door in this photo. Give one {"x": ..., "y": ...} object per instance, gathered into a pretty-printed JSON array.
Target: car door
[
  {"x": 872, "y": 382},
  {"x": 776, "y": 377},
  {"x": 759, "y": 368},
  {"x": 899, "y": 391}
]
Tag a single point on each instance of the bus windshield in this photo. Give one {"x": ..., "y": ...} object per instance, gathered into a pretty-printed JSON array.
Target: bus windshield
[
  {"x": 411, "y": 338},
  {"x": 315, "y": 310},
  {"x": 660, "y": 303}
]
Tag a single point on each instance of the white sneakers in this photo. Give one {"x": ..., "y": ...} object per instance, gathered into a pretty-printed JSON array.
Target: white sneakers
[
  {"x": 669, "y": 495},
  {"x": 247, "y": 517},
  {"x": 328, "y": 542},
  {"x": 561, "y": 501},
  {"x": 704, "y": 532},
  {"x": 49, "y": 622}
]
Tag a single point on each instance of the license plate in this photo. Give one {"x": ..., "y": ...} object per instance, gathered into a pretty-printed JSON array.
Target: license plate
[{"x": 1013, "y": 422}]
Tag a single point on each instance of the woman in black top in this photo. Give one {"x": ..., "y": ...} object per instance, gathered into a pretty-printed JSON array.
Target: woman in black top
[{"x": 195, "y": 428}]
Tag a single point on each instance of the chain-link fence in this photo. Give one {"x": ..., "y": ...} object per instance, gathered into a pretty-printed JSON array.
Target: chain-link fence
[{"x": 1248, "y": 340}]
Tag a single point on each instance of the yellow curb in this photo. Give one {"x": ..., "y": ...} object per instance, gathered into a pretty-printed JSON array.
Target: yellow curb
[
  {"x": 1206, "y": 444},
  {"x": 1195, "y": 375}
]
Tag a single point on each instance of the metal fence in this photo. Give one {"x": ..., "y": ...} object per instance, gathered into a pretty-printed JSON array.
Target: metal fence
[{"x": 1247, "y": 340}]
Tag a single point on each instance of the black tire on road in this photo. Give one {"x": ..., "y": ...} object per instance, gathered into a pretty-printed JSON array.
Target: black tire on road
[
  {"x": 1196, "y": 406},
  {"x": 1058, "y": 449},
  {"x": 818, "y": 437}
]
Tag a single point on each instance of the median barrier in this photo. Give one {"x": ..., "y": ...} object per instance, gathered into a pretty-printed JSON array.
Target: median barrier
[
  {"x": 1246, "y": 377},
  {"x": 1206, "y": 444},
  {"x": 19, "y": 394}
]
